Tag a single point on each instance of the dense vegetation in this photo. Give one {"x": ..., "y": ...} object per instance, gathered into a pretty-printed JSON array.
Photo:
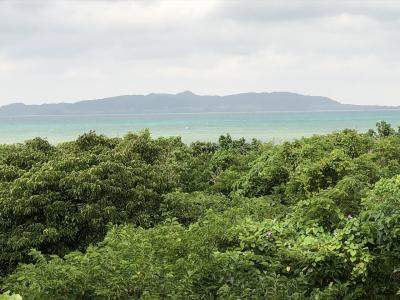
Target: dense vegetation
[{"x": 143, "y": 218}]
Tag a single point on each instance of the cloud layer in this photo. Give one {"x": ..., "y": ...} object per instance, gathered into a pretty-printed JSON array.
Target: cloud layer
[{"x": 53, "y": 51}]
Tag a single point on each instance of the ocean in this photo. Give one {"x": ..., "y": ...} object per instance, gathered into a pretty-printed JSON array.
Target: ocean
[{"x": 272, "y": 126}]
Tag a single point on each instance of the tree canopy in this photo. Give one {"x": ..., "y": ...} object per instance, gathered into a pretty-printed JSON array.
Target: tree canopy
[{"x": 143, "y": 218}]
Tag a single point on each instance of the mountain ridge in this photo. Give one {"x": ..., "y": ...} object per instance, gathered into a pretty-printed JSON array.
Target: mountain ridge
[{"x": 188, "y": 102}]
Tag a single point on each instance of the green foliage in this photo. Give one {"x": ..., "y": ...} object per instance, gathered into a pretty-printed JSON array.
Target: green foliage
[
  {"x": 267, "y": 172},
  {"x": 67, "y": 202},
  {"x": 143, "y": 218},
  {"x": 384, "y": 129},
  {"x": 189, "y": 208},
  {"x": 8, "y": 296}
]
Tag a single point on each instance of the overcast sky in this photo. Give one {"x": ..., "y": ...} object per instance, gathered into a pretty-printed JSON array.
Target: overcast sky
[{"x": 52, "y": 51}]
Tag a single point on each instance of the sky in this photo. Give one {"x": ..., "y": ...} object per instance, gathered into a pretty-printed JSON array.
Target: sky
[{"x": 54, "y": 51}]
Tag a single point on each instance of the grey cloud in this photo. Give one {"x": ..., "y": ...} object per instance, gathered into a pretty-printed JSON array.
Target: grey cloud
[
  {"x": 269, "y": 11},
  {"x": 88, "y": 49},
  {"x": 43, "y": 35}
]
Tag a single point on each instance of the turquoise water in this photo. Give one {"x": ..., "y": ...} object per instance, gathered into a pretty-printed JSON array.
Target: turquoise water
[{"x": 206, "y": 127}]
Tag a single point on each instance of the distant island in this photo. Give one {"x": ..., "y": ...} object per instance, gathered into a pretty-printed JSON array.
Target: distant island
[{"x": 188, "y": 102}]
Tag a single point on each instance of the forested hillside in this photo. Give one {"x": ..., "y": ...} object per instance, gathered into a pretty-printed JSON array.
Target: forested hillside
[
  {"x": 187, "y": 102},
  {"x": 143, "y": 218}
]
